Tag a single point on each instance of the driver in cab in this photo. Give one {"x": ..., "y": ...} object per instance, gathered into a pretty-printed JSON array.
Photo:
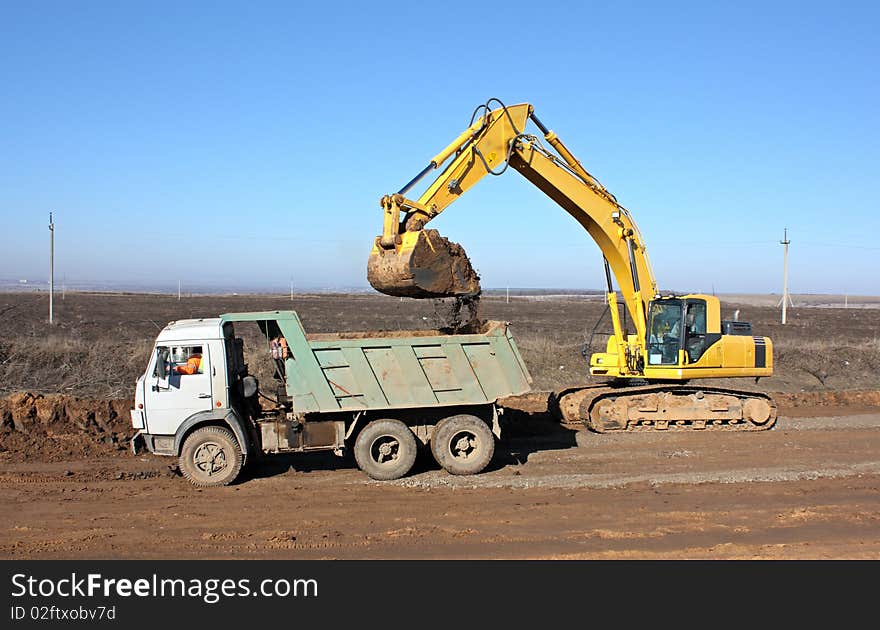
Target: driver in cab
[{"x": 191, "y": 366}]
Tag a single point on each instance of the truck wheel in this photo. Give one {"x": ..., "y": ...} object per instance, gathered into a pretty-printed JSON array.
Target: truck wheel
[
  {"x": 385, "y": 449},
  {"x": 463, "y": 444},
  {"x": 210, "y": 456}
]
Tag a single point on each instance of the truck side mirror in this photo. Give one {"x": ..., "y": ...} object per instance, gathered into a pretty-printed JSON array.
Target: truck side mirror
[
  {"x": 161, "y": 369},
  {"x": 162, "y": 362}
]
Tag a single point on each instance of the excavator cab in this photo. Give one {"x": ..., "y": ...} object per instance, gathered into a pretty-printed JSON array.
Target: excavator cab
[
  {"x": 664, "y": 325},
  {"x": 677, "y": 332},
  {"x": 684, "y": 340}
]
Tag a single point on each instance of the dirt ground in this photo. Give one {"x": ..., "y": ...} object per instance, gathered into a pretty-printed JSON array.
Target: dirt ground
[{"x": 809, "y": 488}]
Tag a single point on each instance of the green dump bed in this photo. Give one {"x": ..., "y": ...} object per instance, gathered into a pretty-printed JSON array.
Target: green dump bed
[{"x": 393, "y": 370}]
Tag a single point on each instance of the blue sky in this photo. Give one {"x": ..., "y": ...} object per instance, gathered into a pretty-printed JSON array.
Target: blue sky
[{"x": 248, "y": 143}]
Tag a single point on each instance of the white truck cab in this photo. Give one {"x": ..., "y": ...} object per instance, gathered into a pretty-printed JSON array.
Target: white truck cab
[
  {"x": 188, "y": 382},
  {"x": 162, "y": 398}
]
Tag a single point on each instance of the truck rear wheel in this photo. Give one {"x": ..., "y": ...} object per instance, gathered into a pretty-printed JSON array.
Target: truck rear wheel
[
  {"x": 210, "y": 456},
  {"x": 463, "y": 444},
  {"x": 385, "y": 449}
]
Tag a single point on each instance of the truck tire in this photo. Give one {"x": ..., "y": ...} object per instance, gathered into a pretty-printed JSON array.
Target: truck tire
[
  {"x": 210, "y": 456},
  {"x": 385, "y": 449},
  {"x": 463, "y": 444}
]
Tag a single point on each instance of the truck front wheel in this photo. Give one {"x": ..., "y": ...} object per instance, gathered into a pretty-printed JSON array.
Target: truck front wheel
[
  {"x": 210, "y": 456},
  {"x": 463, "y": 444},
  {"x": 385, "y": 449}
]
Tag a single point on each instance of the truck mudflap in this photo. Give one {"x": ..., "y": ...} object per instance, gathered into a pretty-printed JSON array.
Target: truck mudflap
[
  {"x": 496, "y": 424},
  {"x": 138, "y": 443}
]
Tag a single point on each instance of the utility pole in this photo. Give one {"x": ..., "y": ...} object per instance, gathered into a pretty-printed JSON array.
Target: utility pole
[
  {"x": 178, "y": 290},
  {"x": 785, "y": 297},
  {"x": 508, "y": 295},
  {"x": 51, "y": 267},
  {"x": 291, "y": 289}
]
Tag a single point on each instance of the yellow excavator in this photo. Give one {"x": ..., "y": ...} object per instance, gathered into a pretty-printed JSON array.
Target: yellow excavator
[{"x": 647, "y": 372}]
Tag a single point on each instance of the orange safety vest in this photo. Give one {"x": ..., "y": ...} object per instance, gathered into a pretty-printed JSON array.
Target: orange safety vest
[{"x": 192, "y": 365}]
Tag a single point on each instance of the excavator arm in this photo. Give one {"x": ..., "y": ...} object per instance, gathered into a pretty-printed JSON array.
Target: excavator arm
[
  {"x": 408, "y": 260},
  {"x": 677, "y": 338}
]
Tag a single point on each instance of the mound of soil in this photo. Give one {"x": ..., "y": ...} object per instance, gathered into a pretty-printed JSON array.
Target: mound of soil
[
  {"x": 55, "y": 427},
  {"x": 846, "y": 398}
]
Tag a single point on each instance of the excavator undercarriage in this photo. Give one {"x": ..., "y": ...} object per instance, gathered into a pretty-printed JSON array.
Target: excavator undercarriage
[{"x": 667, "y": 407}]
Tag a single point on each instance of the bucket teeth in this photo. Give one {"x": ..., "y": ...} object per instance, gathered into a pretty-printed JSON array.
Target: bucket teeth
[{"x": 424, "y": 265}]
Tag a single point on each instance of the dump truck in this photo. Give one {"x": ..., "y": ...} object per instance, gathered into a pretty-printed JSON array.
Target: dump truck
[{"x": 379, "y": 395}]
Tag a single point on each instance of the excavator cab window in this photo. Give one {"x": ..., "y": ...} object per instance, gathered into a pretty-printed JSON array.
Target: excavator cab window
[
  {"x": 695, "y": 320},
  {"x": 664, "y": 324}
]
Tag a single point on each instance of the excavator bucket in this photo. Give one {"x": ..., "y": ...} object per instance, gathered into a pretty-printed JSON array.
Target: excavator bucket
[{"x": 423, "y": 265}]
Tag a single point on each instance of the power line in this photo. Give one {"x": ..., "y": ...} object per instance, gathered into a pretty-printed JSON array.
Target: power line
[{"x": 843, "y": 245}]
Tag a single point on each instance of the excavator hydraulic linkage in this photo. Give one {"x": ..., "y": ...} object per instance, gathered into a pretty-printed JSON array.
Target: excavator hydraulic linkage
[{"x": 677, "y": 338}]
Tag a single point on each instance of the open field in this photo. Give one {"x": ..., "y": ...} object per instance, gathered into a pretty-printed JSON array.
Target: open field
[
  {"x": 810, "y": 488},
  {"x": 101, "y": 341}
]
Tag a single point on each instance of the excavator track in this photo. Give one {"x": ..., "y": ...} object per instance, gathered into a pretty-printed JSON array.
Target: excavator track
[{"x": 607, "y": 409}]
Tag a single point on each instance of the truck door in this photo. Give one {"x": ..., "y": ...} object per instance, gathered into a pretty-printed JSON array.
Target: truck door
[{"x": 185, "y": 390}]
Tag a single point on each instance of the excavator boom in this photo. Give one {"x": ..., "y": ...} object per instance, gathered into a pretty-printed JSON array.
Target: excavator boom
[
  {"x": 676, "y": 338},
  {"x": 408, "y": 261}
]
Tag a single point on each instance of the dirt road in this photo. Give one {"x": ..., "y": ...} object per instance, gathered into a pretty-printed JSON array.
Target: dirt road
[{"x": 808, "y": 489}]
